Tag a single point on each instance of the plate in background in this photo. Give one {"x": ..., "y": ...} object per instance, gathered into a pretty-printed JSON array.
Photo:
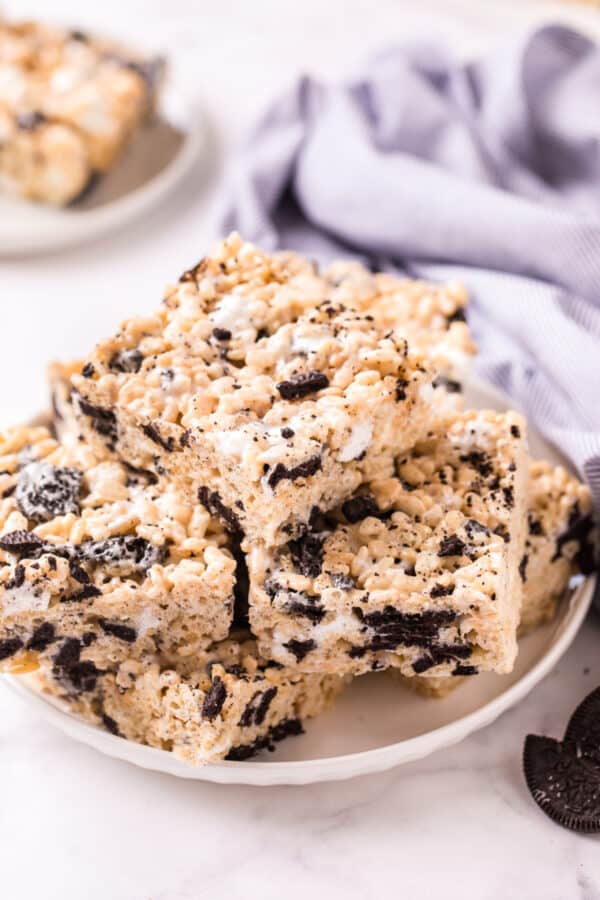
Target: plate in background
[
  {"x": 157, "y": 159},
  {"x": 377, "y": 723}
]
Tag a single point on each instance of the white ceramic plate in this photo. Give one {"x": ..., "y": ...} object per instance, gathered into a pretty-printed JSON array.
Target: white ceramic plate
[
  {"x": 158, "y": 158},
  {"x": 377, "y": 723}
]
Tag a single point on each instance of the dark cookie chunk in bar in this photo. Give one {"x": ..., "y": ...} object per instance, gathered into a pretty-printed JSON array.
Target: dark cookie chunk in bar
[
  {"x": 117, "y": 629},
  {"x": 393, "y": 628},
  {"x": 305, "y": 606},
  {"x": 360, "y": 507},
  {"x": 307, "y": 554},
  {"x": 42, "y": 637},
  {"x": 152, "y": 432},
  {"x": 452, "y": 546},
  {"x": 22, "y": 542},
  {"x": 302, "y": 385},
  {"x": 45, "y": 491},
  {"x": 284, "y": 729},
  {"x": 103, "y": 420},
  {"x": 126, "y": 361},
  {"x": 302, "y": 470},
  {"x": 211, "y": 501},
  {"x": 578, "y": 530},
  {"x": 564, "y": 778},
  {"x": 300, "y": 648},
  {"x": 214, "y": 699},
  {"x": 257, "y": 708},
  {"x": 121, "y": 553},
  {"x": 81, "y": 674},
  {"x": 9, "y": 647}
]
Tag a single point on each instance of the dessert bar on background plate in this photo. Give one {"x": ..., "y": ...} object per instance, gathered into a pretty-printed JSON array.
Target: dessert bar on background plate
[{"x": 69, "y": 103}]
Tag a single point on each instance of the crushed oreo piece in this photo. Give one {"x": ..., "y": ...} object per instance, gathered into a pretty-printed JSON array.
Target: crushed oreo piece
[
  {"x": 110, "y": 725},
  {"x": 257, "y": 707},
  {"x": 211, "y": 501},
  {"x": 126, "y": 361},
  {"x": 103, "y": 420},
  {"x": 10, "y": 646},
  {"x": 42, "y": 637},
  {"x": 564, "y": 777},
  {"x": 457, "y": 316},
  {"x": 82, "y": 674},
  {"x": 441, "y": 590},
  {"x": 277, "y": 733},
  {"x": 401, "y": 385},
  {"x": 304, "y": 606},
  {"x": 452, "y": 546},
  {"x": 307, "y": 554},
  {"x": 360, "y": 507},
  {"x": 465, "y": 670},
  {"x": 302, "y": 385},
  {"x": 343, "y": 582},
  {"x": 515, "y": 431},
  {"x": 523, "y": 567},
  {"x": 479, "y": 461},
  {"x": 287, "y": 433},
  {"x": 122, "y": 553},
  {"x": 302, "y": 470},
  {"x": 473, "y": 527},
  {"x": 87, "y": 592},
  {"x": 152, "y": 432},
  {"x": 221, "y": 334},
  {"x": 393, "y": 628},
  {"x": 300, "y": 648},
  {"x": 509, "y": 495},
  {"x": 78, "y": 573},
  {"x": 17, "y": 579},
  {"x": 45, "y": 491},
  {"x": 117, "y": 629},
  {"x": 88, "y": 371},
  {"x": 22, "y": 542},
  {"x": 579, "y": 528},
  {"x": 214, "y": 699}
]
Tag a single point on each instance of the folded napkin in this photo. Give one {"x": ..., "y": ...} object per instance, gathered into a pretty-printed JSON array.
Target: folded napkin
[{"x": 488, "y": 172}]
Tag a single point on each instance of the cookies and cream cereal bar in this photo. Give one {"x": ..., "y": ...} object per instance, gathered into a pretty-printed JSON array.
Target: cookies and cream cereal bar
[
  {"x": 69, "y": 103},
  {"x": 432, "y": 316},
  {"x": 419, "y": 573},
  {"x": 561, "y": 542},
  {"x": 232, "y": 705},
  {"x": 258, "y": 383},
  {"x": 100, "y": 563}
]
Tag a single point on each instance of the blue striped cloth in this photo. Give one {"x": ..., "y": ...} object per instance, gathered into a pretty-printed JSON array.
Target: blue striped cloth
[{"x": 488, "y": 172}]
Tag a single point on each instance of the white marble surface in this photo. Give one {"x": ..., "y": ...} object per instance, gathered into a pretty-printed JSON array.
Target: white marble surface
[{"x": 74, "y": 824}]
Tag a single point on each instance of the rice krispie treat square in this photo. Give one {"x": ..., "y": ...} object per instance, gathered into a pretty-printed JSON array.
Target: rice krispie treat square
[
  {"x": 561, "y": 542},
  {"x": 231, "y": 706},
  {"x": 431, "y": 316},
  {"x": 68, "y": 105},
  {"x": 257, "y": 384},
  {"x": 100, "y": 563},
  {"x": 421, "y": 570}
]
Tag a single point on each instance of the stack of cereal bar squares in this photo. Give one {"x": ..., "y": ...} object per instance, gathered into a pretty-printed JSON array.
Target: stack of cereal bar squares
[{"x": 264, "y": 489}]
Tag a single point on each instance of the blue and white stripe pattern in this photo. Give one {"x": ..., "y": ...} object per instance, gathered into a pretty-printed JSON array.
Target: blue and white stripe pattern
[{"x": 488, "y": 172}]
